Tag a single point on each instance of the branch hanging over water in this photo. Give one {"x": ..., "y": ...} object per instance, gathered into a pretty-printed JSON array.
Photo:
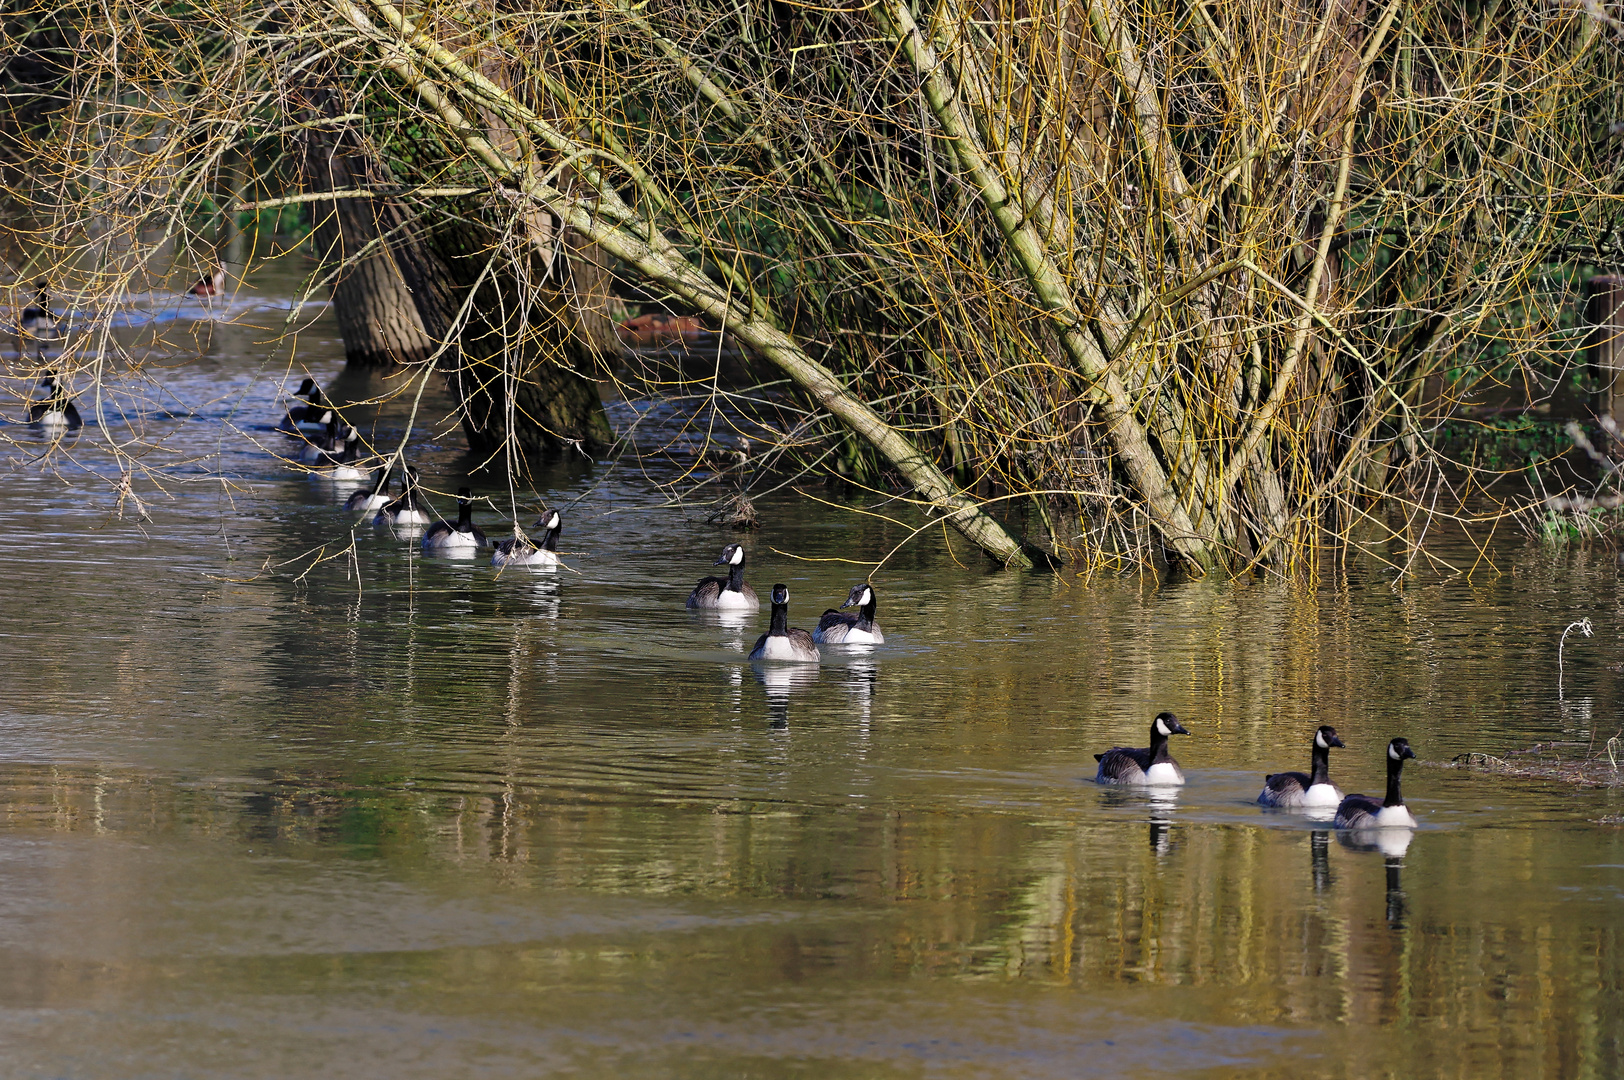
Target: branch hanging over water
[{"x": 619, "y": 229}]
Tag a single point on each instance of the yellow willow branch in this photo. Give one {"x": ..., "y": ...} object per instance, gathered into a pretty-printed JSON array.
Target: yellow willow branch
[
  {"x": 643, "y": 247},
  {"x": 1263, "y": 418},
  {"x": 1127, "y": 437}
]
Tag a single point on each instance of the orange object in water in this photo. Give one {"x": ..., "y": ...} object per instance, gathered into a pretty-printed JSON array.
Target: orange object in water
[{"x": 659, "y": 329}]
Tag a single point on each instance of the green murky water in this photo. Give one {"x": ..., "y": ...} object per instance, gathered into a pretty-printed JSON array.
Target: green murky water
[{"x": 406, "y": 817}]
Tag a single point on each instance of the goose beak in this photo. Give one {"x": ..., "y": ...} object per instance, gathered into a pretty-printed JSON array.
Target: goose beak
[{"x": 1335, "y": 740}]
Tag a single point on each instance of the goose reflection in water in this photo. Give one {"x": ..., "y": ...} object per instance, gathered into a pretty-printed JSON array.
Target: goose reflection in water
[
  {"x": 1160, "y": 802},
  {"x": 1319, "y": 848},
  {"x": 1392, "y": 843},
  {"x": 1395, "y": 891},
  {"x": 1163, "y": 802},
  {"x": 781, "y": 681},
  {"x": 861, "y": 678},
  {"x": 731, "y": 619},
  {"x": 541, "y": 586}
]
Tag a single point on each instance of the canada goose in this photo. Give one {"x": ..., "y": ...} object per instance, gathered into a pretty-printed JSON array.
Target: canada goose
[
  {"x": 57, "y": 410},
  {"x": 325, "y": 449},
  {"x": 521, "y": 551},
  {"x": 343, "y": 462},
  {"x": 726, "y": 592},
  {"x": 404, "y": 509},
  {"x": 464, "y": 536},
  {"x": 782, "y": 641},
  {"x": 209, "y": 285},
  {"x": 1364, "y": 812},
  {"x": 859, "y": 629},
  {"x": 1151, "y": 765},
  {"x": 38, "y": 323},
  {"x": 310, "y": 415},
  {"x": 1314, "y": 789},
  {"x": 375, "y": 499}
]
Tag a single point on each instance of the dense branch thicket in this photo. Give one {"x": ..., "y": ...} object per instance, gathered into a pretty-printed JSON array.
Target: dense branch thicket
[{"x": 1171, "y": 276}]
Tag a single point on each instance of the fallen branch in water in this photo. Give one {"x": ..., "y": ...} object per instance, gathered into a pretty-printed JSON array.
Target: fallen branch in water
[{"x": 1599, "y": 771}]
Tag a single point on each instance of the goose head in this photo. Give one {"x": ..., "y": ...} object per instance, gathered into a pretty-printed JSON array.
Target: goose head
[
  {"x": 1167, "y": 724},
  {"x": 860, "y": 596}
]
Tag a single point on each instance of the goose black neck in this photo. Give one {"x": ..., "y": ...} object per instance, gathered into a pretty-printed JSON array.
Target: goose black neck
[
  {"x": 383, "y": 482},
  {"x": 865, "y": 614},
  {"x": 465, "y": 516},
  {"x": 1395, "y": 765},
  {"x": 550, "y": 541},
  {"x": 735, "y": 579},
  {"x": 1321, "y": 772},
  {"x": 780, "y": 626},
  {"x": 1158, "y": 746}
]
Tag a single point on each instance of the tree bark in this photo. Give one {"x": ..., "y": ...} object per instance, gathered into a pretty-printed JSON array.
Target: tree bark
[
  {"x": 376, "y": 314},
  {"x": 510, "y": 363}
]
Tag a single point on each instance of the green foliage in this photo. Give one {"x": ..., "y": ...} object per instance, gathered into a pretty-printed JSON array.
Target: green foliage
[
  {"x": 1560, "y": 528},
  {"x": 1502, "y": 444}
]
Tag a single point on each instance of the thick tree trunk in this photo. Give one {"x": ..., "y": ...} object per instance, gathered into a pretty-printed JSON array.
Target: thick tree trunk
[
  {"x": 512, "y": 364},
  {"x": 376, "y": 314}
]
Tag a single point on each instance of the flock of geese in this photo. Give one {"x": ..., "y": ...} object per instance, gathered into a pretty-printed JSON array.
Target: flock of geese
[
  {"x": 1153, "y": 766},
  {"x": 1310, "y": 793},
  {"x": 337, "y": 449},
  {"x": 333, "y": 449},
  {"x": 39, "y": 326},
  {"x": 330, "y": 447}
]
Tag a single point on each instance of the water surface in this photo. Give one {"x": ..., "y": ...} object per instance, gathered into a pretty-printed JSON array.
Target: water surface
[{"x": 279, "y": 796}]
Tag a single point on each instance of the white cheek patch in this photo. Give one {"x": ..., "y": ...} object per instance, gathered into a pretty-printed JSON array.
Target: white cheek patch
[
  {"x": 868, "y": 594},
  {"x": 1392, "y": 751},
  {"x": 552, "y": 522},
  {"x": 1319, "y": 740},
  {"x": 737, "y": 557},
  {"x": 1161, "y": 726}
]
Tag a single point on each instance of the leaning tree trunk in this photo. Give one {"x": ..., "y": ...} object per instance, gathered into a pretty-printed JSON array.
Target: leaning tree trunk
[
  {"x": 615, "y": 226},
  {"x": 376, "y": 314},
  {"x": 404, "y": 285}
]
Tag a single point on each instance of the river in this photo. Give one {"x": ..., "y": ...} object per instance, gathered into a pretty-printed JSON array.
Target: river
[{"x": 280, "y": 796}]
